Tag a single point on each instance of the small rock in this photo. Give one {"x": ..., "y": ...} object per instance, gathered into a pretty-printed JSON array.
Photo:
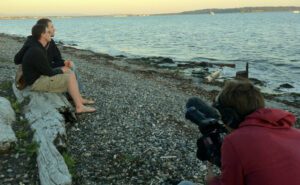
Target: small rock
[
  {"x": 167, "y": 60},
  {"x": 121, "y": 56},
  {"x": 26, "y": 181},
  {"x": 87, "y": 154},
  {"x": 286, "y": 85},
  {"x": 8, "y": 180}
]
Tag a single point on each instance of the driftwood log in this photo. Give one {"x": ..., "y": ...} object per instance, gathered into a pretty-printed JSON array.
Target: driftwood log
[
  {"x": 205, "y": 64},
  {"x": 213, "y": 76},
  {"x": 43, "y": 111},
  {"x": 7, "y": 117}
]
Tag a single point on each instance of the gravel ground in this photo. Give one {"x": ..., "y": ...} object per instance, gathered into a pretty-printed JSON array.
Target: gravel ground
[{"x": 139, "y": 134}]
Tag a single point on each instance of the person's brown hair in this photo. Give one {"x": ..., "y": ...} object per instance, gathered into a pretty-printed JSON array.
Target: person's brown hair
[
  {"x": 242, "y": 96},
  {"x": 44, "y": 21},
  {"x": 37, "y": 30}
]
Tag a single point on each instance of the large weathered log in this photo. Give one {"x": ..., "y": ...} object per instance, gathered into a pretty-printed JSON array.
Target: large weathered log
[
  {"x": 7, "y": 116},
  {"x": 44, "y": 114}
]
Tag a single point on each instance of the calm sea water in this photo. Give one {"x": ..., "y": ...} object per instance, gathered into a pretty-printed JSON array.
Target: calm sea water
[{"x": 268, "y": 41}]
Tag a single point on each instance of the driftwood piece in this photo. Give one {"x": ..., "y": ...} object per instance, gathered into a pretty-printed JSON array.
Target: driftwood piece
[
  {"x": 213, "y": 76},
  {"x": 7, "y": 116},
  {"x": 205, "y": 64},
  {"x": 44, "y": 114}
]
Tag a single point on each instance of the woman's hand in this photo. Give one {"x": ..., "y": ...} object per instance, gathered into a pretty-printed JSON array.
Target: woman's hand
[
  {"x": 65, "y": 69},
  {"x": 68, "y": 63}
]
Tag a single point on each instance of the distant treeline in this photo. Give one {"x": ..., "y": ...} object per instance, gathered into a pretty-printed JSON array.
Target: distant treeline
[{"x": 244, "y": 10}]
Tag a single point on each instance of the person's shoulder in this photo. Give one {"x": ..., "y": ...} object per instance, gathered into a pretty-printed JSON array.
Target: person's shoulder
[
  {"x": 52, "y": 42},
  {"x": 52, "y": 45},
  {"x": 34, "y": 51},
  {"x": 245, "y": 135}
]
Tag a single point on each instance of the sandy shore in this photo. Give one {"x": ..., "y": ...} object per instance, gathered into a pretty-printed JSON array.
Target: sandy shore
[{"x": 139, "y": 134}]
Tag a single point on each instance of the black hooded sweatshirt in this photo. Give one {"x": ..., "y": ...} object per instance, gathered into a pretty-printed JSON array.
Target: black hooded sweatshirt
[
  {"x": 35, "y": 62},
  {"x": 53, "y": 53}
]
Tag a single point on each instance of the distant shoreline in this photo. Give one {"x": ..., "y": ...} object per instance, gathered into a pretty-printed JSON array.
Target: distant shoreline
[
  {"x": 201, "y": 11},
  {"x": 244, "y": 10}
]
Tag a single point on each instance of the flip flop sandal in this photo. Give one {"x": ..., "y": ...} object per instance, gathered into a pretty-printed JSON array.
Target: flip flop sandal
[
  {"x": 86, "y": 109},
  {"x": 88, "y": 102}
]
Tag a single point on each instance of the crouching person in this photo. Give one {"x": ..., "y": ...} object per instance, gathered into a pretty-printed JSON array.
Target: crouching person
[
  {"x": 263, "y": 147},
  {"x": 38, "y": 73}
]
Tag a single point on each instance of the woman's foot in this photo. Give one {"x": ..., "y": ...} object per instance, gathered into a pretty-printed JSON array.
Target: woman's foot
[
  {"x": 87, "y": 102},
  {"x": 85, "y": 109}
]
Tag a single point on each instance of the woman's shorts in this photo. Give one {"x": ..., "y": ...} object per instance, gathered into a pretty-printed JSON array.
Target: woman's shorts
[{"x": 56, "y": 84}]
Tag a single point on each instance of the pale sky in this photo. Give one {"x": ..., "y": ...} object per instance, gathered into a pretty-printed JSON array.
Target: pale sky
[{"x": 107, "y": 7}]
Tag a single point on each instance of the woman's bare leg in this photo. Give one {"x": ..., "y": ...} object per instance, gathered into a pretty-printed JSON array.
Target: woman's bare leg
[{"x": 75, "y": 94}]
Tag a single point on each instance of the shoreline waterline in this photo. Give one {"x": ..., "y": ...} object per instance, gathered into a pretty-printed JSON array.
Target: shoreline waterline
[
  {"x": 155, "y": 65},
  {"x": 267, "y": 86}
]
